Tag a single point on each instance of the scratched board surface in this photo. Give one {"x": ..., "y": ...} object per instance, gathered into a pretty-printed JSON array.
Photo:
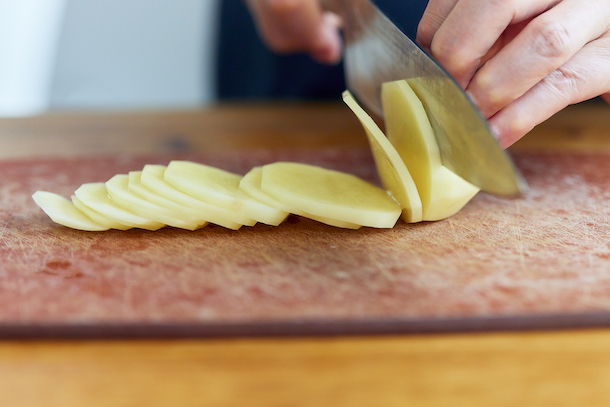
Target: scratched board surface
[{"x": 497, "y": 263}]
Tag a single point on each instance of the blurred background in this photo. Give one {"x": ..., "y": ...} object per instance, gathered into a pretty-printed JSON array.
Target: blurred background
[
  {"x": 106, "y": 54},
  {"x": 58, "y": 55}
]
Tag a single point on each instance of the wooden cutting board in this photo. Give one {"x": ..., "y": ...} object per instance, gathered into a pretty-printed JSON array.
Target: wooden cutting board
[{"x": 541, "y": 260}]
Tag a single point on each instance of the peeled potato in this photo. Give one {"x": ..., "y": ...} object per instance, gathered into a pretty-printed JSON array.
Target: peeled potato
[
  {"x": 391, "y": 168},
  {"x": 330, "y": 194},
  {"x": 181, "y": 212},
  {"x": 220, "y": 188},
  {"x": 118, "y": 189},
  {"x": 98, "y": 217},
  {"x": 442, "y": 192},
  {"x": 251, "y": 185},
  {"x": 63, "y": 212},
  {"x": 152, "y": 177},
  {"x": 95, "y": 196},
  {"x": 189, "y": 195}
]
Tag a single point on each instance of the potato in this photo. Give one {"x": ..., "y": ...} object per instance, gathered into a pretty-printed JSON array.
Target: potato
[
  {"x": 63, "y": 212},
  {"x": 95, "y": 196},
  {"x": 330, "y": 194},
  {"x": 442, "y": 192},
  {"x": 220, "y": 188},
  {"x": 118, "y": 189},
  {"x": 251, "y": 185},
  {"x": 392, "y": 170},
  {"x": 152, "y": 177},
  {"x": 181, "y": 212},
  {"x": 98, "y": 217},
  {"x": 190, "y": 195}
]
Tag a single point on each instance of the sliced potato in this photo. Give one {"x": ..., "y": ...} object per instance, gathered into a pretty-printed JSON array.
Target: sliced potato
[
  {"x": 118, "y": 189},
  {"x": 453, "y": 193},
  {"x": 330, "y": 194},
  {"x": 95, "y": 196},
  {"x": 391, "y": 168},
  {"x": 442, "y": 192},
  {"x": 153, "y": 178},
  {"x": 181, "y": 212},
  {"x": 189, "y": 195},
  {"x": 98, "y": 217},
  {"x": 63, "y": 212},
  {"x": 220, "y": 188},
  {"x": 251, "y": 185}
]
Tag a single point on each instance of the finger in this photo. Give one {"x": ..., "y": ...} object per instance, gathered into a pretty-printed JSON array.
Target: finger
[
  {"x": 507, "y": 36},
  {"x": 545, "y": 44},
  {"x": 473, "y": 27},
  {"x": 435, "y": 14},
  {"x": 583, "y": 77},
  {"x": 289, "y": 26},
  {"x": 327, "y": 49}
]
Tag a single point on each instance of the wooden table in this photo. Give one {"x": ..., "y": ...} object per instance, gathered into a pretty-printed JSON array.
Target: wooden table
[{"x": 495, "y": 368}]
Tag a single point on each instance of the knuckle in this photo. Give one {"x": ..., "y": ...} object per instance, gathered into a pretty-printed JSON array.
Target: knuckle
[
  {"x": 456, "y": 61},
  {"x": 563, "y": 82},
  {"x": 437, "y": 48},
  {"x": 552, "y": 40},
  {"x": 441, "y": 50}
]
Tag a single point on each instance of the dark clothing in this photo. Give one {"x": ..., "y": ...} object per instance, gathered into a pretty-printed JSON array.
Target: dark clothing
[{"x": 246, "y": 69}]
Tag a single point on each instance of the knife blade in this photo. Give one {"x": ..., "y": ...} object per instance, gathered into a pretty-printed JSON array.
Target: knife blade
[{"x": 376, "y": 51}]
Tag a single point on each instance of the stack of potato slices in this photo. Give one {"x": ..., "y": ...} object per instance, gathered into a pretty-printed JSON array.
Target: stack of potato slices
[{"x": 191, "y": 195}]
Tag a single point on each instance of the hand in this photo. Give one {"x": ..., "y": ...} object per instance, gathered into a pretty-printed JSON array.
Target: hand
[
  {"x": 298, "y": 26},
  {"x": 521, "y": 61}
]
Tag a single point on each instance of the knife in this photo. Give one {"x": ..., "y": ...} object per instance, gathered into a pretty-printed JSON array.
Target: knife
[{"x": 376, "y": 51}]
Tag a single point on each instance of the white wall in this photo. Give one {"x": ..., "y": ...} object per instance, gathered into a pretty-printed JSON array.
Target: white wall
[
  {"x": 106, "y": 54},
  {"x": 28, "y": 41},
  {"x": 135, "y": 54}
]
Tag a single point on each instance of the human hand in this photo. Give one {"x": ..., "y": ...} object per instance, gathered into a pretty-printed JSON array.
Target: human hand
[
  {"x": 298, "y": 26},
  {"x": 521, "y": 61}
]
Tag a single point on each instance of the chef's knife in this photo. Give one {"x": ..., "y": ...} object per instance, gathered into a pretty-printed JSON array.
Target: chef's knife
[{"x": 376, "y": 51}]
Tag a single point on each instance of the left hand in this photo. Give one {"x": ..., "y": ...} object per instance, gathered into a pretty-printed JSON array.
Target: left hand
[
  {"x": 521, "y": 61},
  {"x": 288, "y": 26}
]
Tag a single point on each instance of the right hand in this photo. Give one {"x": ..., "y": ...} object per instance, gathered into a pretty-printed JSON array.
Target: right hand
[
  {"x": 288, "y": 26},
  {"x": 521, "y": 61}
]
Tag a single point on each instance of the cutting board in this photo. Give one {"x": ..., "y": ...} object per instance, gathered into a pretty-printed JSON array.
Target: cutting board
[{"x": 538, "y": 261}]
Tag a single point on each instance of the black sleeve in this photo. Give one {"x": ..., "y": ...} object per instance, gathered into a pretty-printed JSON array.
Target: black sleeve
[{"x": 246, "y": 69}]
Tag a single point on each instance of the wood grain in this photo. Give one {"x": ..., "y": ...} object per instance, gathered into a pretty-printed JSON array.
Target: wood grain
[
  {"x": 497, "y": 369},
  {"x": 534, "y": 369},
  {"x": 220, "y": 128}
]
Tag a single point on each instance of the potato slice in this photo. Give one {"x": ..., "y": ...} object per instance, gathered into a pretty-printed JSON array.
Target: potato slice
[
  {"x": 251, "y": 185},
  {"x": 98, "y": 217},
  {"x": 95, "y": 196},
  {"x": 391, "y": 168},
  {"x": 63, "y": 212},
  {"x": 179, "y": 211},
  {"x": 442, "y": 192},
  {"x": 152, "y": 177},
  {"x": 220, "y": 188},
  {"x": 118, "y": 189},
  {"x": 330, "y": 194}
]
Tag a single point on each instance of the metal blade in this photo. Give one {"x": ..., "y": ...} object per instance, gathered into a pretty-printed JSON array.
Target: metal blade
[{"x": 376, "y": 51}]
